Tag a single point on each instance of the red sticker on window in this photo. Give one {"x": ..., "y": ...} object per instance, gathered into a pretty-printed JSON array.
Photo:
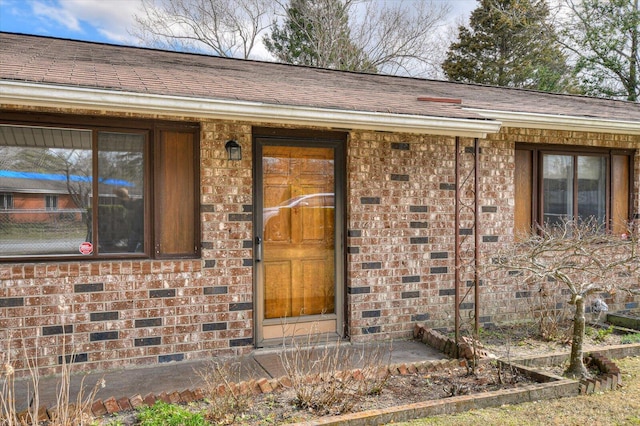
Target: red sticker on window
[{"x": 86, "y": 248}]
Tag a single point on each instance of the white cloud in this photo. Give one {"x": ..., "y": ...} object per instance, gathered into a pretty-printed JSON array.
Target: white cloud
[
  {"x": 62, "y": 17},
  {"x": 110, "y": 18}
]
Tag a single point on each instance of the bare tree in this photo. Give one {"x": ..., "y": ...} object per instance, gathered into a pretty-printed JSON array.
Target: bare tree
[
  {"x": 392, "y": 37},
  {"x": 583, "y": 257},
  {"x": 229, "y": 28},
  {"x": 401, "y": 38}
]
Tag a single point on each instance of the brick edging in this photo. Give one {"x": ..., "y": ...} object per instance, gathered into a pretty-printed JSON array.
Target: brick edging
[
  {"x": 257, "y": 386},
  {"x": 609, "y": 379},
  {"x": 467, "y": 349}
]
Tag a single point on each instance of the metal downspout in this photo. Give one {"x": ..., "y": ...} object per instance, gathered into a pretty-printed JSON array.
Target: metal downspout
[
  {"x": 457, "y": 242},
  {"x": 476, "y": 245}
]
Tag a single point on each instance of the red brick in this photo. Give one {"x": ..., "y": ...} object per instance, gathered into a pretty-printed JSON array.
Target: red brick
[
  {"x": 174, "y": 397},
  {"x": 186, "y": 396},
  {"x": 98, "y": 409},
  {"x": 136, "y": 401},
  {"x": 111, "y": 405},
  {"x": 43, "y": 415},
  {"x": 124, "y": 404},
  {"x": 150, "y": 399},
  {"x": 285, "y": 382},
  {"x": 198, "y": 394}
]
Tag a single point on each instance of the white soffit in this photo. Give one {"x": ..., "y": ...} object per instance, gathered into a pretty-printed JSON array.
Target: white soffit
[
  {"x": 560, "y": 122},
  {"x": 58, "y": 96}
]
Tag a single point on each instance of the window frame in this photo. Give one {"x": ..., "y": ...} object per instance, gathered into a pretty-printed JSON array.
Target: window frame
[
  {"x": 534, "y": 173},
  {"x": 152, "y": 130}
]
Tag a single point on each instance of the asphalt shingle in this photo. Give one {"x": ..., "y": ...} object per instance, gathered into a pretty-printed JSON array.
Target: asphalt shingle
[{"x": 39, "y": 59}]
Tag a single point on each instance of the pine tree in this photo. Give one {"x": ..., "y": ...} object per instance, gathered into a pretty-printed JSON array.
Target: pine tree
[
  {"x": 316, "y": 33},
  {"x": 509, "y": 44}
]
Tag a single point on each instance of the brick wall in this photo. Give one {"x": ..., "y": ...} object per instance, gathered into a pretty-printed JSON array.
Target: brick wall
[
  {"x": 110, "y": 314},
  {"x": 400, "y": 257},
  {"x": 401, "y": 236},
  {"x": 400, "y": 244},
  {"x": 505, "y": 298}
]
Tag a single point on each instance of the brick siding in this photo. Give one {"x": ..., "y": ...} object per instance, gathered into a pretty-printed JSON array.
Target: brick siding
[{"x": 400, "y": 257}]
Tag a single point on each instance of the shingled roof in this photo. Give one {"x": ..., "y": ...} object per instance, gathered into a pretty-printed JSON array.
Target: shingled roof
[{"x": 60, "y": 62}]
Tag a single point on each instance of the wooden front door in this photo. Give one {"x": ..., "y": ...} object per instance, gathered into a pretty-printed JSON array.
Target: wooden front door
[{"x": 296, "y": 234}]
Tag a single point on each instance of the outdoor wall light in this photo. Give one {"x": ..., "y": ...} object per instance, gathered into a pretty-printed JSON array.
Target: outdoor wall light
[{"x": 234, "y": 150}]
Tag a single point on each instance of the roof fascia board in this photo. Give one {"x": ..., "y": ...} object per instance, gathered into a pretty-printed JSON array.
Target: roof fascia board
[
  {"x": 560, "y": 122},
  {"x": 59, "y": 96}
]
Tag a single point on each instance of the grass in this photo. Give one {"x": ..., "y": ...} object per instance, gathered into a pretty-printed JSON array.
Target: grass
[
  {"x": 630, "y": 338},
  {"x": 621, "y": 407},
  {"x": 163, "y": 414}
]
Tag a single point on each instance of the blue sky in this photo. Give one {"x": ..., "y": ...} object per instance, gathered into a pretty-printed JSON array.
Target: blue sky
[
  {"x": 93, "y": 20},
  {"x": 98, "y": 20}
]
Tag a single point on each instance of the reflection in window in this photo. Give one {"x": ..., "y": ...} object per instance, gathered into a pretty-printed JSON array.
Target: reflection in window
[
  {"x": 121, "y": 183},
  {"x": 46, "y": 172},
  {"x": 557, "y": 175},
  {"x": 591, "y": 188},
  {"x": 574, "y": 186},
  {"x": 47, "y": 175},
  {"x": 51, "y": 202},
  {"x": 6, "y": 201}
]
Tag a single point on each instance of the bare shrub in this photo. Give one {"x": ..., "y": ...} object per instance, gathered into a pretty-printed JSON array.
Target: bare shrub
[
  {"x": 76, "y": 411},
  {"x": 549, "y": 310},
  {"x": 9, "y": 415},
  {"x": 226, "y": 400},
  {"x": 331, "y": 378},
  {"x": 68, "y": 411}
]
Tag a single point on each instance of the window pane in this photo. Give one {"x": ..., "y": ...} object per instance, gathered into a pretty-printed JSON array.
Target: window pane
[
  {"x": 121, "y": 199},
  {"x": 557, "y": 175},
  {"x": 45, "y": 178},
  {"x": 592, "y": 188}
]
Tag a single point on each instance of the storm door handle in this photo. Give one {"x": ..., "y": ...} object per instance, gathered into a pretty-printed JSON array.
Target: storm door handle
[{"x": 258, "y": 249}]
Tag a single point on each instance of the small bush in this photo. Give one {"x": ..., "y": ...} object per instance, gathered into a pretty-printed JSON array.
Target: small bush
[
  {"x": 602, "y": 334},
  {"x": 163, "y": 414}
]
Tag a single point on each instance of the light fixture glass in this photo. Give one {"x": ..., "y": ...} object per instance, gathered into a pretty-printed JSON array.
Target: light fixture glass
[{"x": 234, "y": 150}]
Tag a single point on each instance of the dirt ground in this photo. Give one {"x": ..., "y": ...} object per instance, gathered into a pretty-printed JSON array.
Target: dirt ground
[{"x": 279, "y": 407}]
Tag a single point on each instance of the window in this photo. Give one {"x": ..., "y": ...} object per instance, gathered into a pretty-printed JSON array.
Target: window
[
  {"x": 6, "y": 202},
  {"x": 51, "y": 202},
  {"x": 573, "y": 187},
  {"x": 86, "y": 191},
  {"x": 563, "y": 183}
]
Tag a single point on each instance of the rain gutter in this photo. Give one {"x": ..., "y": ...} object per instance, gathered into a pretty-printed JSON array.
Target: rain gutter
[
  {"x": 60, "y": 96},
  {"x": 530, "y": 120}
]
